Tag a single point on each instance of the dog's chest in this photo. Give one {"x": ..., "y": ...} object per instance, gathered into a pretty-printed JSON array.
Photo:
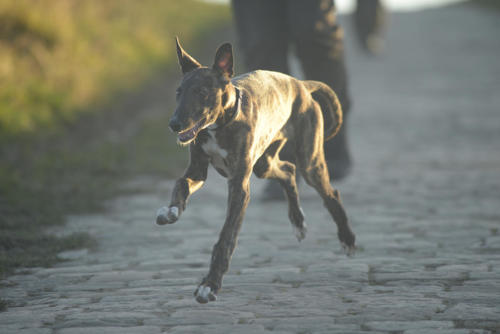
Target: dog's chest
[{"x": 217, "y": 154}]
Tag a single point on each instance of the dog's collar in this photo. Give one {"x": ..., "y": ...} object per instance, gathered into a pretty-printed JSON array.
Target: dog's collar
[{"x": 230, "y": 114}]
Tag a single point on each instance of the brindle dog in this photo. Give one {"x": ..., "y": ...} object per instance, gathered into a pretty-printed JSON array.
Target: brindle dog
[{"x": 240, "y": 125}]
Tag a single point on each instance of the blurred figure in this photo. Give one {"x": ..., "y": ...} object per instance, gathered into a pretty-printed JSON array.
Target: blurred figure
[
  {"x": 369, "y": 22},
  {"x": 268, "y": 28}
]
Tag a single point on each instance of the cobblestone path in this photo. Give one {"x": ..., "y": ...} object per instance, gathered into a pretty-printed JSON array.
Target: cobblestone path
[{"x": 424, "y": 201}]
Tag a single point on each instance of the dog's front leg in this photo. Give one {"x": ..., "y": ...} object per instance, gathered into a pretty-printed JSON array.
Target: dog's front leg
[
  {"x": 239, "y": 195},
  {"x": 191, "y": 181}
]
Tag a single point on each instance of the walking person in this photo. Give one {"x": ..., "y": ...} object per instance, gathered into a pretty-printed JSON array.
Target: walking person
[{"x": 267, "y": 29}]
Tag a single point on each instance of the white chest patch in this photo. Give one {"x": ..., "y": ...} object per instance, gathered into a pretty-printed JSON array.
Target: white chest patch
[{"x": 216, "y": 153}]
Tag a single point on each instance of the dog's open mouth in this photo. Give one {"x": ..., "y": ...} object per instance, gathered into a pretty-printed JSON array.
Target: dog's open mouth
[{"x": 189, "y": 134}]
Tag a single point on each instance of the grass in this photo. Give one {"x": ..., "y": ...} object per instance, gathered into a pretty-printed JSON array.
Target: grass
[
  {"x": 66, "y": 173},
  {"x": 70, "y": 131},
  {"x": 59, "y": 56}
]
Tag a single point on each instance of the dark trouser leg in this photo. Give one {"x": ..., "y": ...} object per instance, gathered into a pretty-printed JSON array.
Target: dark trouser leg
[
  {"x": 263, "y": 36},
  {"x": 319, "y": 44},
  {"x": 262, "y": 31},
  {"x": 369, "y": 21}
]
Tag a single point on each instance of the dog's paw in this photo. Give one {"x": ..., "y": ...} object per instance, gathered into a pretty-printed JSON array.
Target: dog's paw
[
  {"x": 300, "y": 232},
  {"x": 205, "y": 294},
  {"x": 166, "y": 215},
  {"x": 297, "y": 216},
  {"x": 348, "y": 250},
  {"x": 347, "y": 240}
]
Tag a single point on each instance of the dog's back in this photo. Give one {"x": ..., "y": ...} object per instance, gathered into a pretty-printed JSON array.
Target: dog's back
[
  {"x": 268, "y": 111},
  {"x": 277, "y": 96}
]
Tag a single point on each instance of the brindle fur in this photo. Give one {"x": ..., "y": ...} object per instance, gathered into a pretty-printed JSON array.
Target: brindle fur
[{"x": 273, "y": 109}]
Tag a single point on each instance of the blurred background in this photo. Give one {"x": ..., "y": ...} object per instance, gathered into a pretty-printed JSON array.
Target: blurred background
[
  {"x": 348, "y": 6},
  {"x": 82, "y": 86},
  {"x": 86, "y": 89}
]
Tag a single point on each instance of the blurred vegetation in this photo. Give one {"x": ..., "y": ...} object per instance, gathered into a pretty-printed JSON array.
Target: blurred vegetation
[
  {"x": 58, "y": 56},
  {"x": 72, "y": 75}
]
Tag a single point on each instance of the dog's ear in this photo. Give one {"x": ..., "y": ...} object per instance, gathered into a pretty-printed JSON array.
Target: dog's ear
[
  {"x": 187, "y": 62},
  {"x": 224, "y": 59}
]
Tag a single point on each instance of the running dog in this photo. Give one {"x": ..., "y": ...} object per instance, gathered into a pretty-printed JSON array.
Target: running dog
[{"x": 239, "y": 125}]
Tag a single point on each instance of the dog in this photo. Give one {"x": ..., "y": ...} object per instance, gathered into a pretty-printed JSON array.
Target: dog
[{"x": 239, "y": 125}]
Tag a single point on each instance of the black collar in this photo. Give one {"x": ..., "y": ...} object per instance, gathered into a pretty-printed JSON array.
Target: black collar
[{"x": 231, "y": 113}]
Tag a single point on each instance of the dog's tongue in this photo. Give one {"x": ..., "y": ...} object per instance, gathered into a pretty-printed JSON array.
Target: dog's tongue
[{"x": 189, "y": 134}]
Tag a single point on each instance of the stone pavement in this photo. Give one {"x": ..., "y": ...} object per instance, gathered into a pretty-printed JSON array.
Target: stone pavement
[{"x": 424, "y": 201}]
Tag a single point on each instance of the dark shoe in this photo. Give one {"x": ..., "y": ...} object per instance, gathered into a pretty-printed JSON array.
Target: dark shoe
[
  {"x": 369, "y": 21},
  {"x": 337, "y": 155}
]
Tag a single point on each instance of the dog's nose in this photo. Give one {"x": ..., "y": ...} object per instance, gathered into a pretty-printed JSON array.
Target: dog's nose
[{"x": 175, "y": 125}]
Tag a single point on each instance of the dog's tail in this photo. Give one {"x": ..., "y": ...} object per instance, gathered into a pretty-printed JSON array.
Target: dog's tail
[{"x": 330, "y": 106}]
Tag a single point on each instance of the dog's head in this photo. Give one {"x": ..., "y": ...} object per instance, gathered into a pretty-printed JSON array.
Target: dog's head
[{"x": 202, "y": 94}]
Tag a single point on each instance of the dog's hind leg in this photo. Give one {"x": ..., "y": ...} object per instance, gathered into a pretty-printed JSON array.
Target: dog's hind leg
[
  {"x": 311, "y": 162},
  {"x": 269, "y": 166}
]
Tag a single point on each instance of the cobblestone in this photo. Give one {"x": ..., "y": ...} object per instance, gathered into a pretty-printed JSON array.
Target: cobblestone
[
  {"x": 423, "y": 200},
  {"x": 111, "y": 330}
]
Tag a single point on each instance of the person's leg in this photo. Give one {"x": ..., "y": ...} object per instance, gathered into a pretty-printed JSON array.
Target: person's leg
[
  {"x": 369, "y": 21},
  {"x": 319, "y": 43},
  {"x": 261, "y": 26}
]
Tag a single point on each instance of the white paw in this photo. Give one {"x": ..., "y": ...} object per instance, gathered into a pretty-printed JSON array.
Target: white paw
[
  {"x": 348, "y": 250},
  {"x": 204, "y": 294},
  {"x": 166, "y": 215},
  {"x": 300, "y": 233}
]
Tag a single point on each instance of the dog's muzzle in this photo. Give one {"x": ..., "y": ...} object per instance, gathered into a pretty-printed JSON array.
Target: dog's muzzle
[{"x": 189, "y": 134}]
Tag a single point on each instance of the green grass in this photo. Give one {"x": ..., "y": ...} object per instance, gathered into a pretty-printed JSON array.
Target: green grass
[
  {"x": 60, "y": 56},
  {"x": 65, "y": 173},
  {"x": 67, "y": 67}
]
